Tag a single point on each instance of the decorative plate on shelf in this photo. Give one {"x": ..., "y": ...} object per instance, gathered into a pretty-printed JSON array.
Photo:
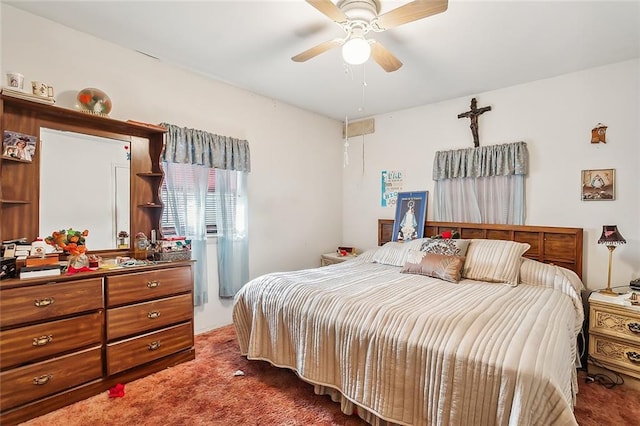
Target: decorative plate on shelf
[{"x": 94, "y": 101}]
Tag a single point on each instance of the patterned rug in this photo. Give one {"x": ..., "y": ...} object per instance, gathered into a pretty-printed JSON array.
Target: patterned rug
[{"x": 206, "y": 391}]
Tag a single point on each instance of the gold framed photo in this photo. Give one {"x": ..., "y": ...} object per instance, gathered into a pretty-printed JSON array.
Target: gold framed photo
[{"x": 598, "y": 185}]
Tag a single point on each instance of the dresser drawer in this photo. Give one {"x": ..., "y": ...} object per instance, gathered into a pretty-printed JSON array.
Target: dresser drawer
[
  {"x": 613, "y": 322},
  {"x": 51, "y": 300},
  {"x": 24, "y": 344},
  {"x": 134, "y": 319},
  {"x": 621, "y": 353},
  {"x": 31, "y": 382},
  {"x": 136, "y": 287},
  {"x": 148, "y": 347}
]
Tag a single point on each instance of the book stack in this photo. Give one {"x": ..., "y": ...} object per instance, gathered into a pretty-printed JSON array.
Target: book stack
[
  {"x": 48, "y": 259},
  {"x": 22, "y": 250},
  {"x": 39, "y": 271}
]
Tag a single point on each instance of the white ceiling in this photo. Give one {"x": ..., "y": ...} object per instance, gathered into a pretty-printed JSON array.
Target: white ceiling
[{"x": 474, "y": 46}]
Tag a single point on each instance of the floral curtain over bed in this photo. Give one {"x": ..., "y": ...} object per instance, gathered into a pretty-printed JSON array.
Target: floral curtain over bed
[
  {"x": 495, "y": 160},
  {"x": 226, "y": 155},
  {"x": 481, "y": 185}
]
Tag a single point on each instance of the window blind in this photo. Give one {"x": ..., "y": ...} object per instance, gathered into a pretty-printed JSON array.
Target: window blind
[{"x": 184, "y": 184}]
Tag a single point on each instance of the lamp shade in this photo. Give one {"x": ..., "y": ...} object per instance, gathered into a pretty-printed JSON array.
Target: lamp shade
[
  {"x": 356, "y": 51},
  {"x": 611, "y": 236}
]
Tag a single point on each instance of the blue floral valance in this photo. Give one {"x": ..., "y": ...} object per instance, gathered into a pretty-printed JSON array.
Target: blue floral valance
[
  {"x": 495, "y": 160},
  {"x": 192, "y": 146}
]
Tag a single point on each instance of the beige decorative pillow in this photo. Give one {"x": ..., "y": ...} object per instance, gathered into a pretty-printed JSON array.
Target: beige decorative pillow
[
  {"x": 435, "y": 265},
  {"x": 494, "y": 261},
  {"x": 446, "y": 246},
  {"x": 395, "y": 253}
]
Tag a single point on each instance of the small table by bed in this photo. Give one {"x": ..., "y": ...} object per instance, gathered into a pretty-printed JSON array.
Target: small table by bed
[
  {"x": 333, "y": 258},
  {"x": 614, "y": 336}
]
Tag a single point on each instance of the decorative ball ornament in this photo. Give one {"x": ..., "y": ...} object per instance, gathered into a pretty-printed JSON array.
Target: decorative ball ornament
[{"x": 94, "y": 101}]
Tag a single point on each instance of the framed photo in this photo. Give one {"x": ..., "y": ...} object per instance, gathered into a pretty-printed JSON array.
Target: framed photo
[
  {"x": 411, "y": 209},
  {"x": 18, "y": 146},
  {"x": 598, "y": 185}
]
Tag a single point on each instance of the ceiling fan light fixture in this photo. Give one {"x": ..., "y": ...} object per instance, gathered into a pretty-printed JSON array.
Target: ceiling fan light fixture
[{"x": 356, "y": 51}]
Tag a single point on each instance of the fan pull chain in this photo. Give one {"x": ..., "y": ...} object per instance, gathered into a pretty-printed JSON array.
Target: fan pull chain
[
  {"x": 364, "y": 85},
  {"x": 345, "y": 161},
  {"x": 362, "y": 155}
]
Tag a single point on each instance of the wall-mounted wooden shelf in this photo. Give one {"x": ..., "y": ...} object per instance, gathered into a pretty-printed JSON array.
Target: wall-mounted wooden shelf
[
  {"x": 17, "y": 160},
  {"x": 14, "y": 201}
]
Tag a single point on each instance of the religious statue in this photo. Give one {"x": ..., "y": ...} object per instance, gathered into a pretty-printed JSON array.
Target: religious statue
[{"x": 409, "y": 223}]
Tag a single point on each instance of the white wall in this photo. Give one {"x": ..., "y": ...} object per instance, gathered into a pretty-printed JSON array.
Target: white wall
[
  {"x": 555, "y": 118},
  {"x": 295, "y": 205}
]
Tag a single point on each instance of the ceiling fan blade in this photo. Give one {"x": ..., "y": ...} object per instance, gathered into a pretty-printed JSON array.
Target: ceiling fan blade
[
  {"x": 329, "y": 9},
  {"x": 410, "y": 12},
  {"x": 316, "y": 50},
  {"x": 384, "y": 58}
]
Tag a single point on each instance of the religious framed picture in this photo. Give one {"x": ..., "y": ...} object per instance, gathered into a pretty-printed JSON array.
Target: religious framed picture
[
  {"x": 18, "y": 146},
  {"x": 598, "y": 185},
  {"x": 411, "y": 210}
]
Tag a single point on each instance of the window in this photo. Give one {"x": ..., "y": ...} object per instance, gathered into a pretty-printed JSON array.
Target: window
[
  {"x": 481, "y": 185},
  {"x": 491, "y": 199},
  {"x": 184, "y": 192}
]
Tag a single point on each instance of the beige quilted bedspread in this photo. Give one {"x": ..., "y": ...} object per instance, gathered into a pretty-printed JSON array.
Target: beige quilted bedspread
[{"x": 417, "y": 350}]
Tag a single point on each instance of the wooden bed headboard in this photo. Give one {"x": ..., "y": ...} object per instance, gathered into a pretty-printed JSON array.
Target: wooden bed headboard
[{"x": 549, "y": 244}]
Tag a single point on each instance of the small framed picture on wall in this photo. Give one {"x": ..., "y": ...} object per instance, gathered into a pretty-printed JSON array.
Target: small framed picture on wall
[
  {"x": 411, "y": 209},
  {"x": 598, "y": 185},
  {"x": 18, "y": 146}
]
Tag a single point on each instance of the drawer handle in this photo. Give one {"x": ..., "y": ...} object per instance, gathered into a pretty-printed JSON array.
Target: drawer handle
[
  {"x": 153, "y": 284},
  {"x": 42, "y": 340},
  {"x": 153, "y": 315},
  {"x": 41, "y": 303},
  {"x": 633, "y": 356},
  {"x": 154, "y": 345},
  {"x": 634, "y": 327},
  {"x": 42, "y": 380}
]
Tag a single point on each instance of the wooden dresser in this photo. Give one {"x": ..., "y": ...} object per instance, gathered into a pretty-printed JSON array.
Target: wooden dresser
[
  {"x": 614, "y": 335},
  {"x": 65, "y": 339}
]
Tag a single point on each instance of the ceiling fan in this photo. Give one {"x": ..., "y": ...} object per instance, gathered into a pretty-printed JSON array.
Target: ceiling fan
[{"x": 358, "y": 18}]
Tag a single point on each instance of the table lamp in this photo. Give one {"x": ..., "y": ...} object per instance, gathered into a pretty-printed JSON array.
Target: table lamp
[{"x": 610, "y": 237}]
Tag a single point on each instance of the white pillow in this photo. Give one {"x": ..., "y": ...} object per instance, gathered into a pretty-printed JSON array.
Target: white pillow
[
  {"x": 495, "y": 261},
  {"x": 395, "y": 253}
]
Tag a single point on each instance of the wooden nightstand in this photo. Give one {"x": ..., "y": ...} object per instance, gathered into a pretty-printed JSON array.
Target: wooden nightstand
[
  {"x": 333, "y": 258},
  {"x": 614, "y": 335}
]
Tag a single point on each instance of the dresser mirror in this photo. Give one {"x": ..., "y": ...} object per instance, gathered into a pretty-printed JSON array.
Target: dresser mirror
[
  {"x": 88, "y": 172},
  {"x": 84, "y": 184}
]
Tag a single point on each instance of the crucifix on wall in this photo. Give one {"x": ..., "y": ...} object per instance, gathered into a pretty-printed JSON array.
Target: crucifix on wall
[{"x": 473, "y": 114}]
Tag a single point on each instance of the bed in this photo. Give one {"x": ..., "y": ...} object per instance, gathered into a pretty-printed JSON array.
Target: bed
[{"x": 395, "y": 339}]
